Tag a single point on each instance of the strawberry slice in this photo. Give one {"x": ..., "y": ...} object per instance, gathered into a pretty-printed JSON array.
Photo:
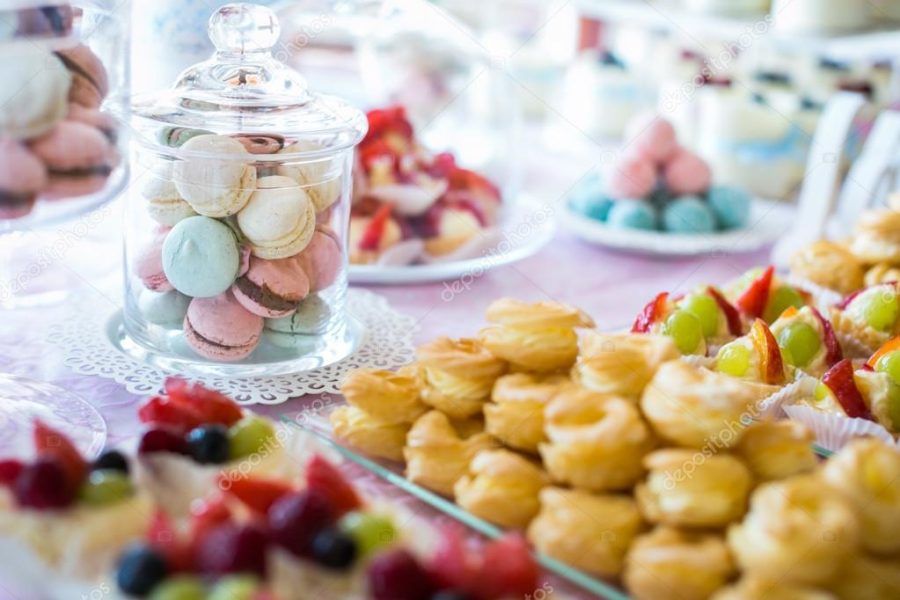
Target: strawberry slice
[
  {"x": 161, "y": 410},
  {"x": 771, "y": 363},
  {"x": 833, "y": 352},
  {"x": 839, "y": 380},
  {"x": 732, "y": 316},
  {"x": 892, "y": 345},
  {"x": 374, "y": 151},
  {"x": 651, "y": 313},
  {"x": 753, "y": 301},
  {"x": 256, "y": 493},
  {"x": 50, "y": 442},
  {"x": 163, "y": 535},
  {"x": 206, "y": 516},
  {"x": 453, "y": 566},
  {"x": 508, "y": 570},
  {"x": 371, "y": 237},
  {"x": 213, "y": 406},
  {"x": 324, "y": 477},
  {"x": 10, "y": 470}
]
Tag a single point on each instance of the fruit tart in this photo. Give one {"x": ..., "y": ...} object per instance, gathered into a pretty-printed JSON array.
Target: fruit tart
[
  {"x": 410, "y": 205},
  {"x": 807, "y": 340},
  {"x": 760, "y": 294},
  {"x": 74, "y": 514},
  {"x": 865, "y": 320},
  {"x": 755, "y": 357}
]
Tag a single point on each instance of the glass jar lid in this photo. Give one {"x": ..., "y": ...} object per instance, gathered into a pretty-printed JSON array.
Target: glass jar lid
[{"x": 243, "y": 89}]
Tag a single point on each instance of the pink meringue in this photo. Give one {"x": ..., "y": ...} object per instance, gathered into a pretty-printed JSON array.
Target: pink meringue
[
  {"x": 631, "y": 177},
  {"x": 687, "y": 173},
  {"x": 652, "y": 137}
]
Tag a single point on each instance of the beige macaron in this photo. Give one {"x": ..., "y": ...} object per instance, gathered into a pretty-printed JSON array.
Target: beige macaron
[
  {"x": 321, "y": 180},
  {"x": 164, "y": 204},
  {"x": 215, "y": 187},
  {"x": 279, "y": 219}
]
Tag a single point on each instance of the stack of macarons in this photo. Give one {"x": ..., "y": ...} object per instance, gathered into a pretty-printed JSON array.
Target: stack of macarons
[
  {"x": 241, "y": 246},
  {"x": 55, "y": 142},
  {"x": 657, "y": 184}
]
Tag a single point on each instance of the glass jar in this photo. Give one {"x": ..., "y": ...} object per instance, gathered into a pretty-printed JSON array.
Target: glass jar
[{"x": 235, "y": 240}]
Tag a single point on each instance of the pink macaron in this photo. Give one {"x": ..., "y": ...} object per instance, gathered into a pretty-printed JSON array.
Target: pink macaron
[
  {"x": 95, "y": 118},
  {"x": 220, "y": 328},
  {"x": 272, "y": 288},
  {"x": 651, "y": 136},
  {"x": 322, "y": 259},
  {"x": 90, "y": 82},
  {"x": 148, "y": 265},
  {"x": 22, "y": 177},
  {"x": 631, "y": 177},
  {"x": 687, "y": 173},
  {"x": 78, "y": 157}
]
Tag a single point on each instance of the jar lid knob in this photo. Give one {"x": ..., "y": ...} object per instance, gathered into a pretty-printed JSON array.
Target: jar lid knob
[{"x": 242, "y": 28}]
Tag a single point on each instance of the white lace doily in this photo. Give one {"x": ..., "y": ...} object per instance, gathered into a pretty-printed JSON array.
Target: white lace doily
[{"x": 387, "y": 344}]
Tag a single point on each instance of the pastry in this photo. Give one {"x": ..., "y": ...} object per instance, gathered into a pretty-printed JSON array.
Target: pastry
[
  {"x": 587, "y": 531},
  {"x": 865, "y": 320},
  {"x": 621, "y": 364},
  {"x": 279, "y": 219},
  {"x": 271, "y": 288},
  {"x": 34, "y": 98},
  {"x": 536, "y": 337},
  {"x": 730, "y": 205},
  {"x": 671, "y": 562},
  {"x": 164, "y": 204},
  {"x": 876, "y": 239},
  {"x": 755, "y": 588},
  {"x": 22, "y": 177},
  {"x": 515, "y": 415},
  {"x": 148, "y": 264},
  {"x": 201, "y": 257},
  {"x": 501, "y": 487},
  {"x": 688, "y": 215},
  {"x": 830, "y": 265},
  {"x": 686, "y": 173},
  {"x": 213, "y": 178},
  {"x": 458, "y": 375},
  {"x": 759, "y": 294},
  {"x": 757, "y": 357},
  {"x": 163, "y": 308},
  {"x": 694, "y": 407},
  {"x": 651, "y": 136},
  {"x": 390, "y": 396},
  {"x": 690, "y": 489},
  {"x": 807, "y": 340},
  {"x": 867, "y": 474},
  {"x": 368, "y": 433},
  {"x": 322, "y": 259},
  {"x": 868, "y": 578},
  {"x": 90, "y": 82},
  {"x": 221, "y": 329},
  {"x": 438, "y": 451},
  {"x": 597, "y": 442},
  {"x": 320, "y": 179},
  {"x": 371, "y": 237},
  {"x": 880, "y": 273},
  {"x": 452, "y": 226},
  {"x": 795, "y": 533},
  {"x": 632, "y": 214},
  {"x": 696, "y": 322},
  {"x": 633, "y": 177},
  {"x": 78, "y": 157},
  {"x": 311, "y": 318},
  {"x": 777, "y": 449}
]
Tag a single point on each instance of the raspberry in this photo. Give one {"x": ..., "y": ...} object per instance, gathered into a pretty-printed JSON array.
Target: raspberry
[
  {"x": 160, "y": 439},
  {"x": 49, "y": 442},
  {"x": 231, "y": 548},
  {"x": 42, "y": 485},
  {"x": 397, "y": 575},
  {"x": 296, "y": 519}
]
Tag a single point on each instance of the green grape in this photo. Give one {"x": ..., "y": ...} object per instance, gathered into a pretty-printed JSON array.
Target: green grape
[
  {"x": 781, "y": 299},
  {"x": 248, "y": 436},
  {"x": 369, "y": 531},
  {"x": 822, "y": 393},
  {"x": 890, "y": 364},
  {"x": 685, "y": 329},
  {"x": 105, "y": 487},
  {"x": 734, "y": 360},
  {"x": 706, "y": 309},
  {"x": 881, "y": 310},
  {"x": 893, "y": 408},
  {"x": 235, "y": 587},
  {"x": 180, "y": 587},
  {"x": 799, "y": 343}
]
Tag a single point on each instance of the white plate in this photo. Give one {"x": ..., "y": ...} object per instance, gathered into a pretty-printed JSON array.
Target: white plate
[
  {"x": 769, "y": 220},
  {"x": 526, "y": 228}
]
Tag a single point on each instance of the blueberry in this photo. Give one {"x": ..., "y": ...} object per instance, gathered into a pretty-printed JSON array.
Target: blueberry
[
  {"x": 451, "y": 595},
  {"x": 111, "y": 460},
  {"x": 334, "y": 549},
  {"x": 140, "y": 569},
  {"x": 208, "y": 444}
]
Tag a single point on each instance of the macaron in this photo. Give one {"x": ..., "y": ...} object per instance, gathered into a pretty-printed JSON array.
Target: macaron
[
  {"x": 322, "y": 260},
  {"x": 163, "y": 308},
  {"x": 34, "y": 94},
  {"x": 148, "y": 265},
  {"x": 220, "y": 328},
  {"x": 78, "y": 157},
  {"x": 175, "y": 137},
  {"x": 651, "y": 136},
  {"x": 90, "y": 82},
  {"x": 164, "y": 204},
  {"x": 264, "y": 143},
  {"x": 201, "y": 257},
  {"x": 631, "y": 177},
  {"x": 217, "y": 181},
  {"x": 272, "y": 288},
  {"x": 687, "y": 174},
  {"x": 22, "y": 177},
  {"x": 688, "y": 214},
  {"x": 279, "y": 219},
  {"x": 50, "y": 21},
  {"x": 310, "y": 318},
  {"x": 632, "y": 214},
  {"x": 94, "y": 118},
  {"x": 588, "y": 199},
  {"x": 320, "y": 177},
  {"x": 731, "y": 206}
]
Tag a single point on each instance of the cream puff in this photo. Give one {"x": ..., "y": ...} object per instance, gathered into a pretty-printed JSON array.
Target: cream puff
[
  {"x": 438, "y": 451},
  {"x": 866, "y": 473},
  {"x": 755, "y": 588},
  {"x": 389, "y": 396},
  {"x": 536, "y": 337},
  {"x": 777, "y": 449},
  {"x": 693, "y": 489},
  {"x": 621, "y": 364},
  {"x": 868, "y": 578},
  {"x": 369, "y": 434},
  {"x": 877, "y": 236},
  {"x": 502, "y": 487},
  {"x": 830, "y": 265},
  {"x": 597, "y": 442},
  {"x": 807, "y": 340},
  {"x": 458, "y": 375},
  {"x": 515, "y": 415},
  {"x": 864, "y": 321},
  {"x": 796, "y": 532},
  {"x": 880, "y": 273},
  {"x": 670, "y": 562},
  {"x": 587, "y": 531}
]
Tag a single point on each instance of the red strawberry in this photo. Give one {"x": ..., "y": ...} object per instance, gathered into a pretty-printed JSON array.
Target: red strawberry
[
  {"x": 453, "y": 566},
  {"x": 213, "y": 406},
  {"x": 371, "y": 237},
  {"x": 49, "y": 442},
  {"x": 651, "y": 313},
  {"x": 508, "y": 569},
  {"x": 256, "y": 493},
  {"x": 833, "y": 352},
  {"x": 324, "y": 477},
  {"x": 732, "y": 316},
  {"x": 10, "y": 470},
  {"x": 753, "y": 301},
  {"x": 163, "y": 536},
  {"x": 161, "y": 410},
  {"x": 839, "y": 380}
]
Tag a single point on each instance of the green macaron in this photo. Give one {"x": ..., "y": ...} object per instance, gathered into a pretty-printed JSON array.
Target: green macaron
[{"x": 201, "y": 257}]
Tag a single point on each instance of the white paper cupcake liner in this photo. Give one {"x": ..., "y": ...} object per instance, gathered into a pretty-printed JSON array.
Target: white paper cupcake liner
[{"x": 834, "y": 431}]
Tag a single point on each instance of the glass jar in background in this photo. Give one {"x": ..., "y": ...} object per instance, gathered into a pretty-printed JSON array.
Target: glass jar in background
[{"x": 237, "y": 219}]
